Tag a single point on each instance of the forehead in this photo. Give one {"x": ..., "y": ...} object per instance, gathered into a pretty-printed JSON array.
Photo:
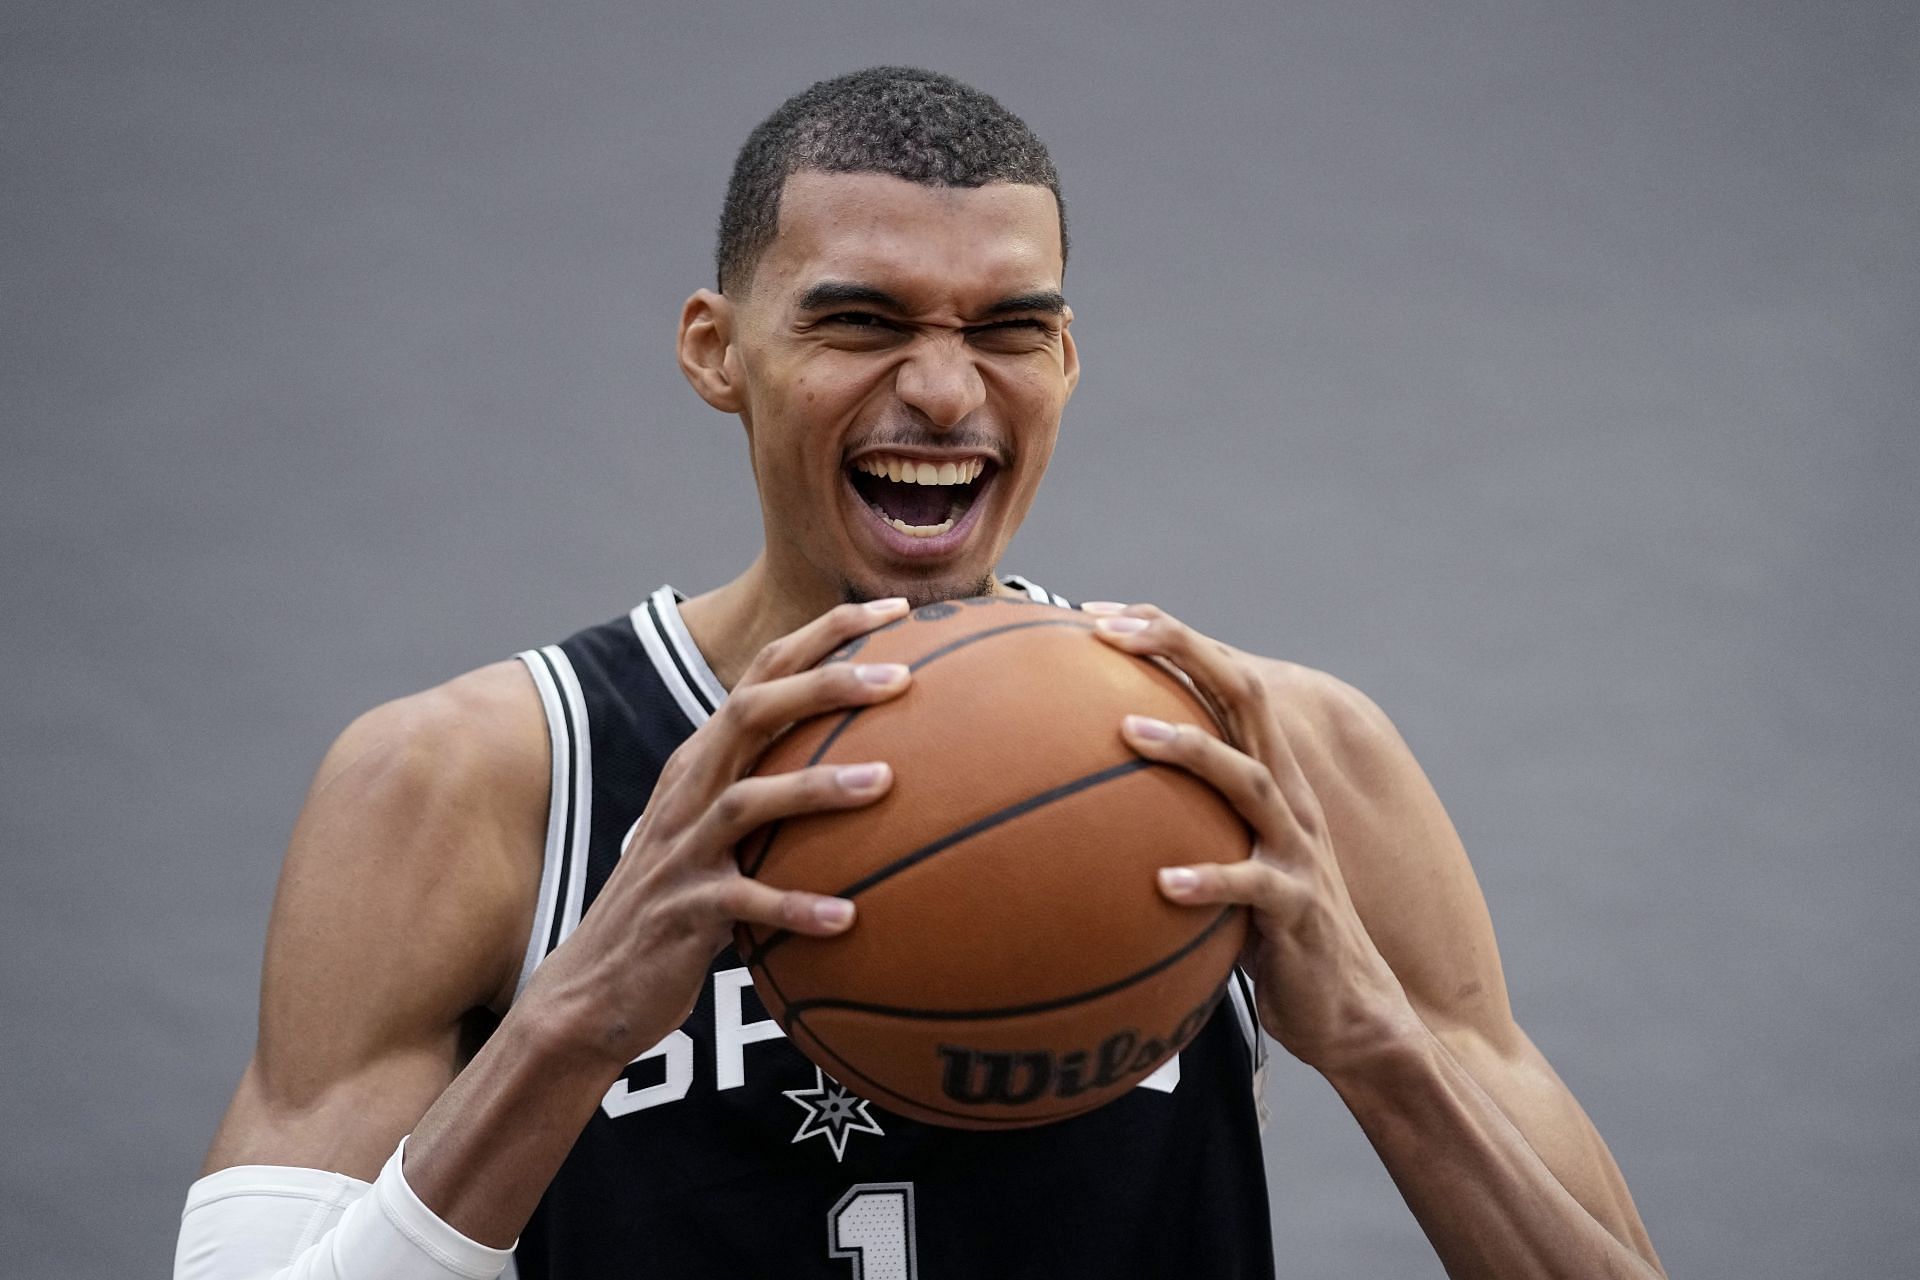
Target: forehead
[{"x": 924, "y": 244}]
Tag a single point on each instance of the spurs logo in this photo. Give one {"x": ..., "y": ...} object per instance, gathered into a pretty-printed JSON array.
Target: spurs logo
[{"x": 832, "y": 1113}]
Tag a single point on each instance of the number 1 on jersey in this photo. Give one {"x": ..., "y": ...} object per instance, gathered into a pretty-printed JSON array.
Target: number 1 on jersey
[{"x": 873, "y": 1224}]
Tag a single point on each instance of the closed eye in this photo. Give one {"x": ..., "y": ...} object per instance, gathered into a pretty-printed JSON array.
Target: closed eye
[
  {"x": 858, "y": 320},
  {"x": 1022, "y": 336}
]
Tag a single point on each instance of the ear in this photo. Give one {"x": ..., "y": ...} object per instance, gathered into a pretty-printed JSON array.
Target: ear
[
  {"x": 1069, "y": 352},
  {"x": 707, "y": 354}
]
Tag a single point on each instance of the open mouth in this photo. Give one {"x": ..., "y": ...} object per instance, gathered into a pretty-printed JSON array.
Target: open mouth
[{"x": 919, "y": 497}]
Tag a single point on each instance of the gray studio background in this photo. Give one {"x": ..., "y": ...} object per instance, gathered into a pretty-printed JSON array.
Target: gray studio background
[{"x": 1547, "y": 370}]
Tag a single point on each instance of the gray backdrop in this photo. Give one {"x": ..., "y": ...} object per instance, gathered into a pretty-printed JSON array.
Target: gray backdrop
[{"x": 1547, "y": 370}]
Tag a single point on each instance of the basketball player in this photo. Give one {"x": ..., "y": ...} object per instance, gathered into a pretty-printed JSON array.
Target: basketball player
[{"x": 499, "y": 1002}]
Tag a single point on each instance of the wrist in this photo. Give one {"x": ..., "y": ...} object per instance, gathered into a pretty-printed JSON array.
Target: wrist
[
  {"x": 569, "y": 1035},
  {"x": 484, "y": 1152},
  {"x": 1380, "y": 1044}
]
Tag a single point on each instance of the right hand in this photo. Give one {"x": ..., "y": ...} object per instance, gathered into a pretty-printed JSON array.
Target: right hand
[{"x": 633, "y": 969}]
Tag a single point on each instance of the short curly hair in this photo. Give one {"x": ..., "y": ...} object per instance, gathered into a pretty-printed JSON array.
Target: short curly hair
[{"x": 905, "y": 122}]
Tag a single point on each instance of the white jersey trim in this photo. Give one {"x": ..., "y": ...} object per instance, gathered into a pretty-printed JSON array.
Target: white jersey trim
[
  {"x": 575, "y": 887},
  {"x": 707, "y": 683},
  {"x": 559, "y": 787},
  {"x": 682, "y": 667},
  {"x": 563, "y": 862},
  {"x": 1035, "y": 592},
  {"x": 1240, "y": 991}
]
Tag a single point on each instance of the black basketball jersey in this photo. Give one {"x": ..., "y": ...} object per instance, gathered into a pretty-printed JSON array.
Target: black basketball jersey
[{"x": 723, "y": 1152}]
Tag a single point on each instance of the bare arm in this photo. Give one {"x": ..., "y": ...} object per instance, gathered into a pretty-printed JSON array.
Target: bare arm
[
  {"x": 1462, "y": 1107},
  {"x": 405, "y": 905},
  {"x": 1375, "y": 963},
  {"x": 406, "y": 893}
]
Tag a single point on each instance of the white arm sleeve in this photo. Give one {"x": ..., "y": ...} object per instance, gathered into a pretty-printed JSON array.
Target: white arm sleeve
[{"x": 266, "y": 1222}]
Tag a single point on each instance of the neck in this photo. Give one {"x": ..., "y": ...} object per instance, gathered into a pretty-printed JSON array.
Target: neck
[{"x": 733, "y": 622}]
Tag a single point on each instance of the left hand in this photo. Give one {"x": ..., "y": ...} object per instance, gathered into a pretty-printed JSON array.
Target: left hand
[{"x": 1323, "y": 989}]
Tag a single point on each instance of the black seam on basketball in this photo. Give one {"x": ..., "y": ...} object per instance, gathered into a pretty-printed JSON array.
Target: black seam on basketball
[
  {"x": 753, "y": 864},
  {"x": 673, "y": 651},
  {"x": 976, "y": 827},
  {"x": 566, "y": 839},
  {"x": 973, "y": 1118},
  {"x": 933, "y": 655},
  {"x": 801, "y": 1007},
  {"x": 751, "y": 867}
]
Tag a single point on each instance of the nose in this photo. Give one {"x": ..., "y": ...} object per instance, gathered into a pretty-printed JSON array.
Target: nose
[{"x": 940, "y": 380}]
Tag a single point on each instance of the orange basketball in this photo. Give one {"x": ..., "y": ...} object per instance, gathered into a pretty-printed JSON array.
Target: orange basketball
[{"x": 1013, "y": 961}]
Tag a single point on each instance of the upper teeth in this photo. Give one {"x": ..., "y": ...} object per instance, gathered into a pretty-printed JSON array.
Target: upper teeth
[{"x": 908, "y": 471}]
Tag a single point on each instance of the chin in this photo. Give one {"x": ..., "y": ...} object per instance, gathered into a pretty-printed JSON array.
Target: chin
[{"x": 919, "y": 591}]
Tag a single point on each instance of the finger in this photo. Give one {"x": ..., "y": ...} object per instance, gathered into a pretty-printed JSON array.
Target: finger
[
  {"x": 1247, "y": 784},
  {"x": 1253, "y": 883},
  {"x": 1231, "y": 683},
  {"x": 800, "y": 649},
  {"x": 751, "y": 803},
  {"x": 754, "y": 715},
  {"x": 1147, "y": 631},
  {"x": 1221, "y": 672},
  {"x": 763, "y": 704},
  {"x": 739, "y": 898}
]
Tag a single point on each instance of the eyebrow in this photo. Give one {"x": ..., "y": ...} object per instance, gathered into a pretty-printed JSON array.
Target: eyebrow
[
  {"x": 828, "y": 294},
  {"x": 1048, "y": 301},
  {"x": 840, "y": 293}
]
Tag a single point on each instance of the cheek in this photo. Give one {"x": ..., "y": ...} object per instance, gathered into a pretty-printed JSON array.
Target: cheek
[
  {"x": 796, "y": 444},
  {"x": 1035, "y": 397},
  {"x": 813, "y": 401},
  {"x": 1037, "y": 379}
]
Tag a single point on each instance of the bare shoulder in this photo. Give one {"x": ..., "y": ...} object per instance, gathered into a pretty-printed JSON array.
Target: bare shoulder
[
  {"x": 1402, "y": 860},
  {"x": 1342, "y": 735},
  {"x": 472, "y": 746},
  {"x": 426, "y": 821},
  {"x": 401, "y": 916}
]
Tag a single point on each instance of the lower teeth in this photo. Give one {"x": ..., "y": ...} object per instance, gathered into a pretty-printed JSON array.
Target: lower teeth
[{"x": 921, "y": 530}]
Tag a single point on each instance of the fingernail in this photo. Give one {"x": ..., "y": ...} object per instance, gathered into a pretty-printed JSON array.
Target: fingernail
[
  {"x": 860, "y": 777},
  {"x": 1101, "y": 606},
  {"x": 880, "y": 672},
  {"x": 1180, "y": 880},
  {"x": 834, "y": 911},
  {"x": 1150, "y": 729},
  {"x": 892, "y": 604},
  {"x": 1122, "y": 626}
]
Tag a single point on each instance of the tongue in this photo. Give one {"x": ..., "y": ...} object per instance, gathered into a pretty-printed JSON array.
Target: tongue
[{"x": 914, "y": 503}]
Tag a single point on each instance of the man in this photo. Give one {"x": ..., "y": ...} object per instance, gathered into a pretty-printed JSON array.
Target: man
[{"x": 444, "y": 1017}]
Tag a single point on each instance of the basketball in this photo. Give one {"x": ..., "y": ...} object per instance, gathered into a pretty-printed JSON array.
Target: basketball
[{"x": 1013, "y": 961}]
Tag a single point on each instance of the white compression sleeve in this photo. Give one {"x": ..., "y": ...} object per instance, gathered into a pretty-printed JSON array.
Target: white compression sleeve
[{"x": 265, "y": 1222}]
